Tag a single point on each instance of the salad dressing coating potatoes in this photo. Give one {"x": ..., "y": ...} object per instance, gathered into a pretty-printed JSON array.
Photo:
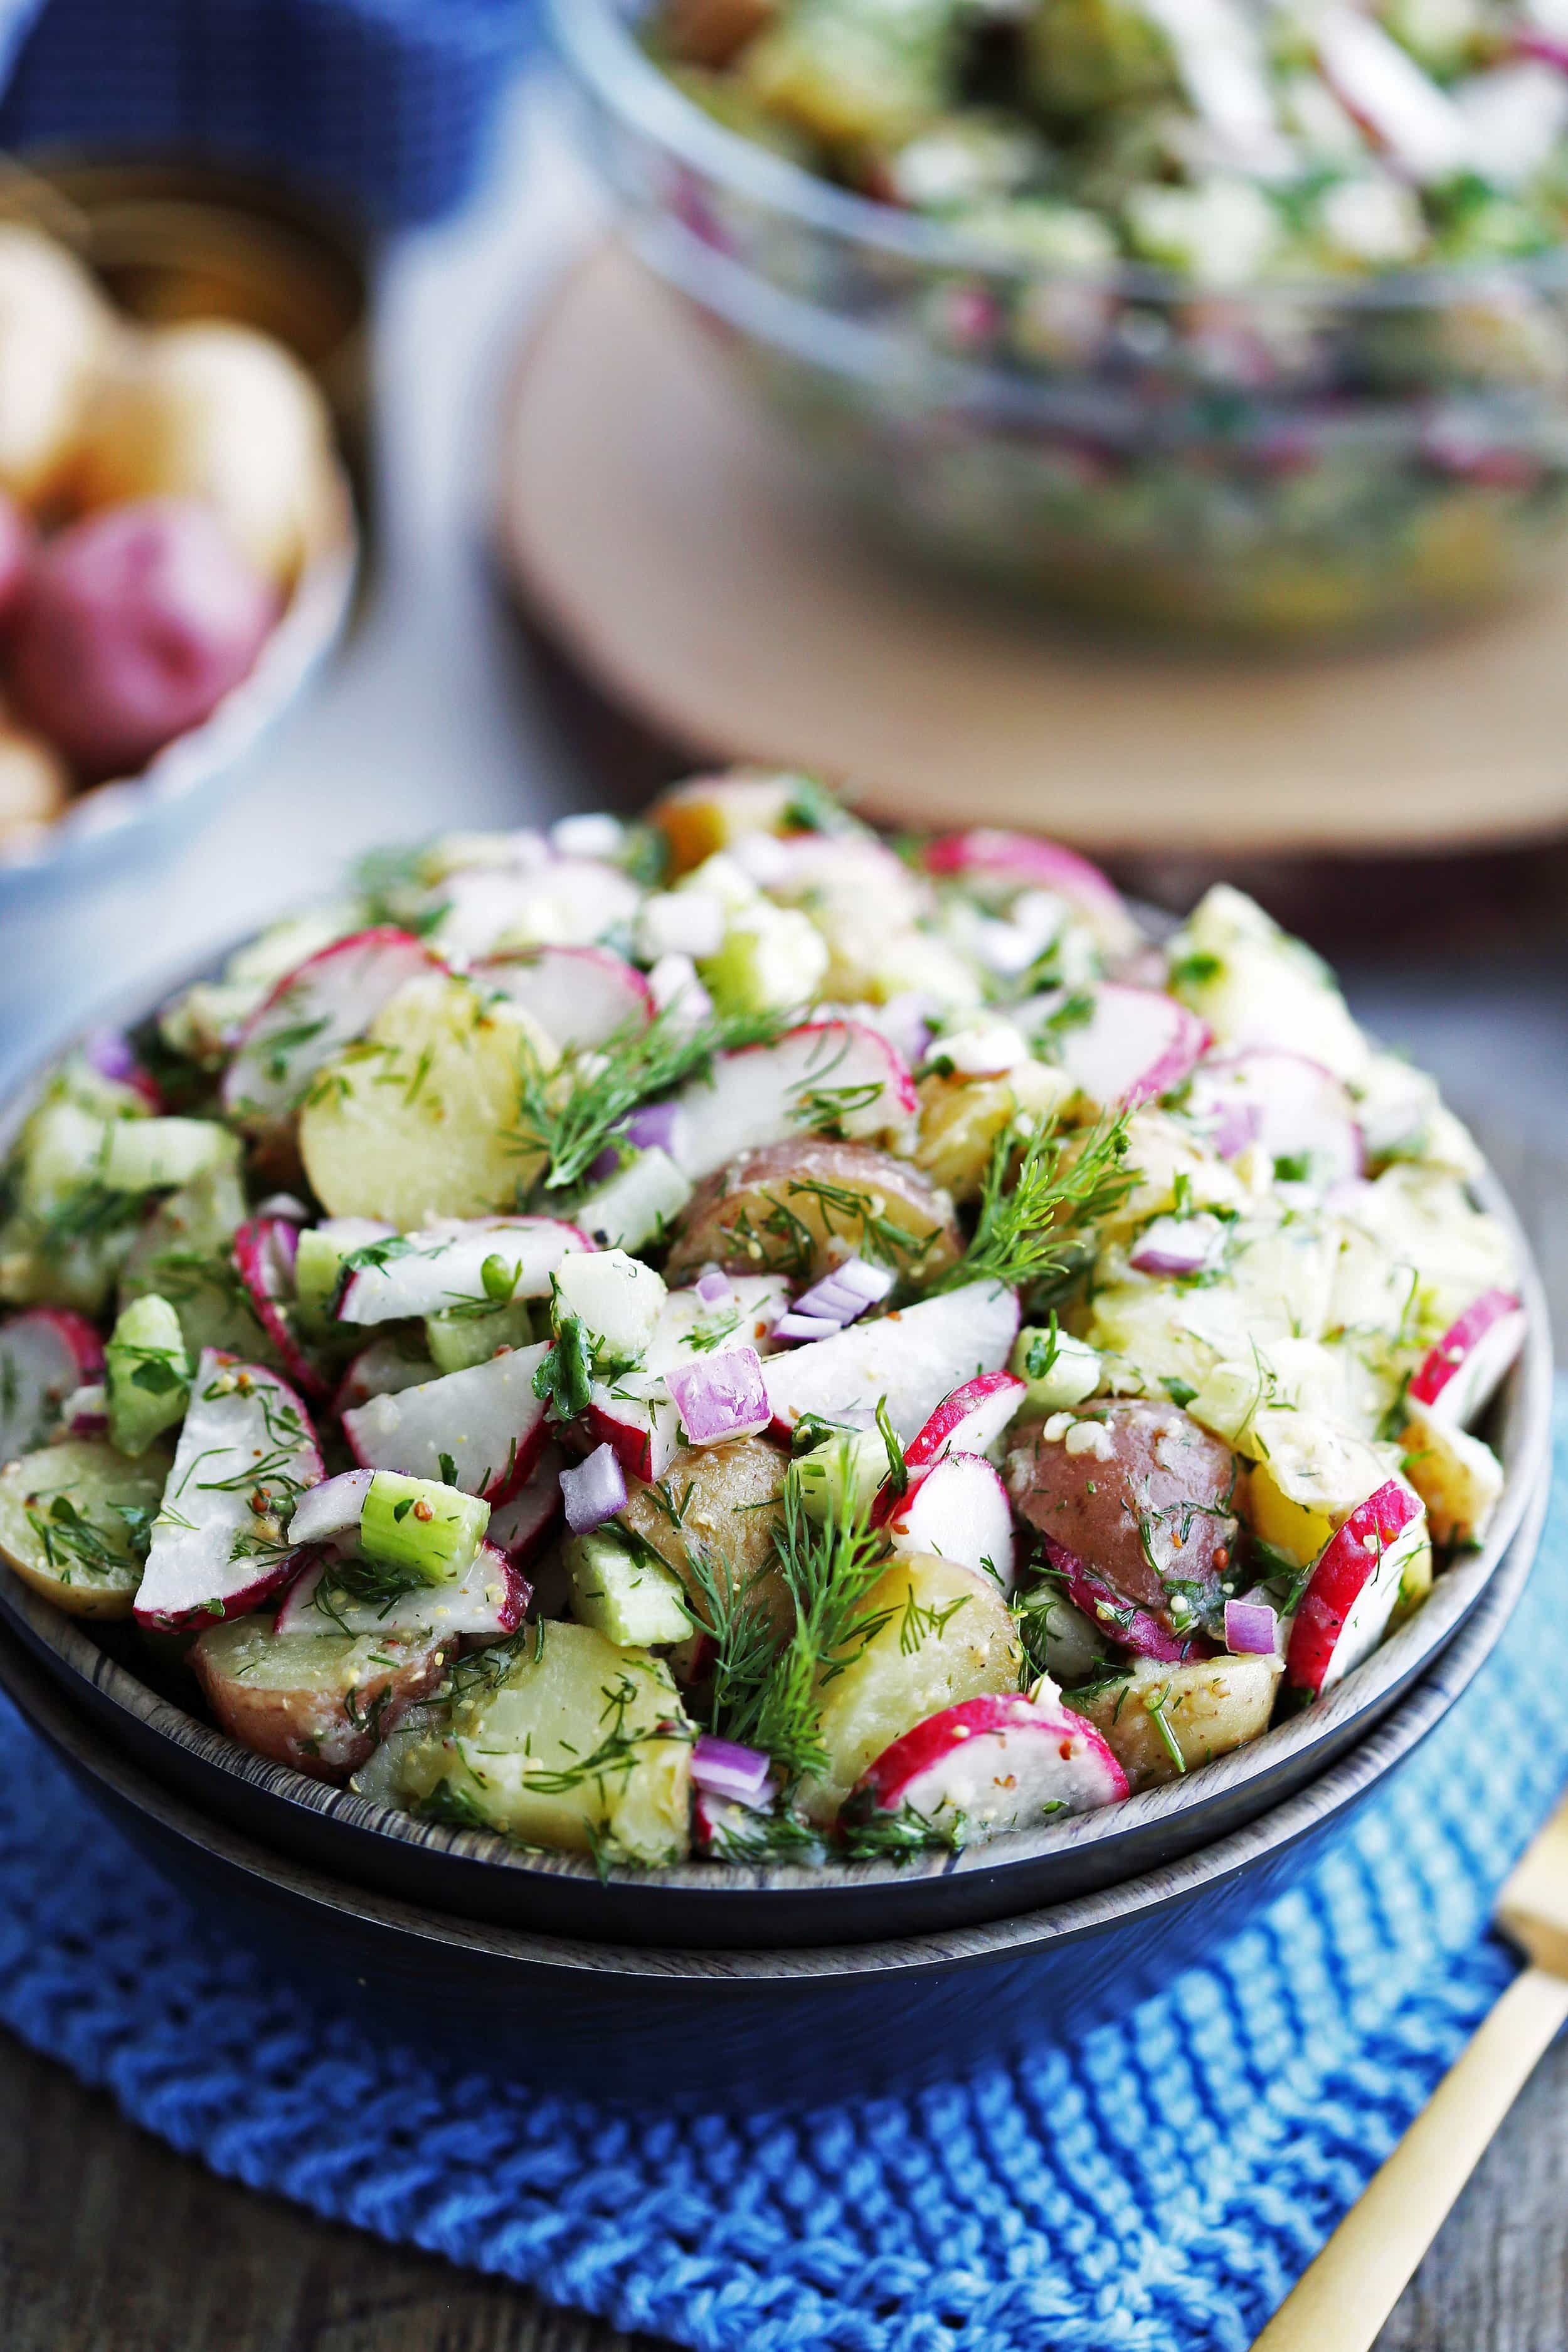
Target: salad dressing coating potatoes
[{"x": 583, "y": 1399}]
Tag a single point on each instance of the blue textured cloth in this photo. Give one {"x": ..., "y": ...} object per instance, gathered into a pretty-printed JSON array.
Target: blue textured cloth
[
  {"x": 385, "y": 103},
  {"x": 1156, "y": 2187}
]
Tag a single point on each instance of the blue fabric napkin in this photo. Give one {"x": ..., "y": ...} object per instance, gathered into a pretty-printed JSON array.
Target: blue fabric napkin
[
  {"x": 1154, "y": 2187},
  {"x": 387, "y": 103}
]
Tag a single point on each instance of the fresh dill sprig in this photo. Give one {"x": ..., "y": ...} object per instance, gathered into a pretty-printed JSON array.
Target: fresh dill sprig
[
  {"x": 899, "y": 1835},
  {"x": 1029, "y": 1220},
  {"x": 568, "y": 1117},
  {"x": 375, "y": 1583},
  {"x": 830, "y": 1567}
]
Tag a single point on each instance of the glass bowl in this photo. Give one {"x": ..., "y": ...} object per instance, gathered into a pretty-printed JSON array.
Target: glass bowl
[{"x": 1296, "y": 461}]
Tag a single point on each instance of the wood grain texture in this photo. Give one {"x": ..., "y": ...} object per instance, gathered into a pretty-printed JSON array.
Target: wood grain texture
[{"x": 110, "y": 2242}]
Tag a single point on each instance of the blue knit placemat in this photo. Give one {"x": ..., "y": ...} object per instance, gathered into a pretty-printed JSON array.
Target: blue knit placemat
[{"x": 1154, "y": 2187}]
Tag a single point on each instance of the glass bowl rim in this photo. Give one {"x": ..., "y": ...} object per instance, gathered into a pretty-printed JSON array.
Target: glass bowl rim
[{"x": 592, "y": 35}]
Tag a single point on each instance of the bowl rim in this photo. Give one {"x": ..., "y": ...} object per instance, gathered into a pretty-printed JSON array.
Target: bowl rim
[
  {"x": 1409, "y": 1652},
  {"x": 48, "y": 1710},
  {"x": 592, "y": 37}
]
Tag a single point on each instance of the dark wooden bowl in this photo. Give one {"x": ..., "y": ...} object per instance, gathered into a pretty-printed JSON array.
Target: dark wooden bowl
[
  {"x": 469, "y": 1874},
  {"x": 675, "y": 2028}
]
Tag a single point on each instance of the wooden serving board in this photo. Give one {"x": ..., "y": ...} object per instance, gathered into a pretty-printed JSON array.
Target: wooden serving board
[{"x": 671, "y": 536}]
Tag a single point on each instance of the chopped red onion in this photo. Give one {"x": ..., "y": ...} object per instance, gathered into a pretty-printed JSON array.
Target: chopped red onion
[
  {"x": 286, "y": 1205},
  {"x": 1176, "y": 1245},
  {"x": 1251, "y": 1628},
  {"x": 333, "y": 1508},
  {"x": 110, "y": 1054},
  {"x": 907, "y": 1022},
  {"x": 595, "y": 1491},
  {"x": 836, "y": 1301},
  {"x": 653, "y": 1127},
  {"x": 715, "y": 1288},
  {"x": 721, "y": 1396},
  {"x": 723, "y": 1767},
  {"x": 865, "y": 1283},
  {"x": 807, "y": 1327}
]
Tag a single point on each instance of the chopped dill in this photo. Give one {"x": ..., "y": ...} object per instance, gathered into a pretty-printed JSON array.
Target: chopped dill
[{"x": 1063, "y": 1184}]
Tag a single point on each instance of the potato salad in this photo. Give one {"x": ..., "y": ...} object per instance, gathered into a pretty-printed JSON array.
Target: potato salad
[{"x": 734, "y": 1337}]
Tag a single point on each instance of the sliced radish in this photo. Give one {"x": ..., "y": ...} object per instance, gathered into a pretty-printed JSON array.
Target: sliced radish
[
  {"x": 333, "y": 1508},
  {"x": 1382, "y": 87},
  {"x": 998, "y": 1762},
  {"x": 641, "y": 1420},
  {"x": 1173, "y": 1248},
  {"x": 914, "y": 1358},
  {"x": 1459, "y": 1377},
  {"x": 960, "y": 1511},
  {"x": 970, "y": 1421},
  {"x": 479, "y": 1429},
  {"x": 45, "y": 1356},
  {"x": 1018, "y": 861},
  {"x": 445, "y": 1266},
  {"x": 557, "y": 901},
  {"x": 1135, "y": 1046},
  {"x": 1345, "y": 1609},
  {"x": 834, "y": 1077},
  {"x": 322, "y": 1004},
  {"x": 381, "y": 1369},
  {"x": 519, "y": 1527},
  {"x": 1119, "y": 1620},
  {"x": 246, "y": 1454},
  {"x": 264, "y": 1250},
  {"x": 1294, "y": 1108},
  {"x": 85, "y": 1412},
  {"x": 637, "y": 1413},
  {"x": 579, "y": 996},
  {"x": 489, "y": 1601}
]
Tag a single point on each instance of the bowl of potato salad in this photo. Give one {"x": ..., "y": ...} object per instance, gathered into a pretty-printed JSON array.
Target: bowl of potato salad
[
  {"x": 1182, "y": 314},
  {"x": 731, "y": 1374}
]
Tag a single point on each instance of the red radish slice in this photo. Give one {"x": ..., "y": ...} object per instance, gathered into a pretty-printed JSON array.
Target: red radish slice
[
  {"x": 643, "y": 1428},
  {"x": 381, "y": 1369},
  {"x": 914, "y": 1357},
  {"x": 264, "y": 1251},
  {"x": 423, "y": 1273},
  {"x": 485, "y": 1425},
  {"x": 1296, "y": 1109},
  {"x": 960, "y": 1511},
  {"x": 1121, "y": 1621},
  {"x": 637, "y": 1413},
  {"x": 1459, "y": 1377},
  {"x": 110, "y": 1054},
  {"x": 1383, "y": 88},
  {"x": 827, "y": 1076},
  {"x": 1345, "y": 1609},
  {"x": 1173, "y": 1248},
  {"x": 519, "y": 1527},
  {"x": 1000, "y": 1762},
  {"x": 246, "y": 1452},
  {"x": 334, "y": 1508},
  {"x": 969, "y": 1421},
  {"x": 85, "y": 1412},
  {"x": 45, "y": 1354},
  {"x": 322, "y": 1004},
  {"x": 1135, "y": 1046},
  {"x": 1020, "y": 862},
  {"x": 489, "y": 1601},
  {"x": 579, "y": 996}
]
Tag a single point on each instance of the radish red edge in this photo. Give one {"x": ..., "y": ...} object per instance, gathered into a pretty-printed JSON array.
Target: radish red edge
[
  {"x": 1352, "y": 1592},
  {"x": 1121, "y": 1621},
  {"x": 1002, "y": 1759},
  {"x": 250, "y": 1258}
]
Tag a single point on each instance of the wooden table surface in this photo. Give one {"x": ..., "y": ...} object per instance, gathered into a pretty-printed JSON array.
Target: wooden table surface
[{"x": 110, "y": 2242}]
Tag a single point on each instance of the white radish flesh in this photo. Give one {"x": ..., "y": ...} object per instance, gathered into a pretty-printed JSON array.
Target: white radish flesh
[
  {"x": 834, "y": 1076},
  {"x": 484, "y": 1425},
  {"x": 477, "y": 1261},
  {"x": 971, "y": 1420},
  {"x": 519, "y": 1527},
  {"x": 45, "y": 1356},
  {"x": 489, "y": 1601},
  {"x": 1351, "y": 1596},
  {"x": 579, "y": 996},
  {"x": 333, "y": 1508},
  {"x": 1459, "y": 1377},
  {"x": 1135, "y": 1046},
  {"x": 382, "y": 1369},
  {"x": 1294, "y": 1109},
  {"x": 998, "y": 1762},
  {"x": 314, "y": 1011},
  {"x": 960, "y": 1511},
  {"x": 913, "y": 1359}
]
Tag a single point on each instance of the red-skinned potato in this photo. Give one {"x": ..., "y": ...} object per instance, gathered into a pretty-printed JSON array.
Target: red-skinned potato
[
  {"x": 218, "y": 413},
  {"x": 721, "y": 1503},
  {"x": 318, "y": 1702},
  {"x": 1140, "y": 1496},
  {"x": 131, "y": 628},
  {"x": 57, "y": 336},
  {"x": 799, "y": 1208}
]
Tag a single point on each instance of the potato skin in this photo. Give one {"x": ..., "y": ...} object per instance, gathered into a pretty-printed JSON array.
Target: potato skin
[
  {"x": 721, "y": 1502},
  {"x": 1209, "y": 1706},
  {"x": 728, "y": 1219},
  {"x": 1146, "y": 1506},
  {"x": 318, "y": 1703}
]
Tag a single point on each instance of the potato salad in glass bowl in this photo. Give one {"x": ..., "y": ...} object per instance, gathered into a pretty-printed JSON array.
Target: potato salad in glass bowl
[{"x": 733, "y": 1337}]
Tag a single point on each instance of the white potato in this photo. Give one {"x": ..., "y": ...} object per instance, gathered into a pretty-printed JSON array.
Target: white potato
[
  {"x": 319, "y": 1702},
  {"x": 1208, "y": 1706},
  {"x": 57, "y": 336}
]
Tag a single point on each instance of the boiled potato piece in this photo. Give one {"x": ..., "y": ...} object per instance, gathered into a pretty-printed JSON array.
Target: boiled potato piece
[
  {"x": 577, "y": 1744},
  {"x": 34, "y": 784},
  {"x": 1313, "y": 1478},
  {"x": 420, "y": 1118},
  {"x": 319, "y": 1702},
  {"x": 800, "y": 1208},
  {"x": 709, "y": 812},
  {"x": 64, "y": 1526},
  {"x": 945, "y": 1634},
  {"x": 56, "y": 335},
  {"x": 712, "y": 32},
  {"x": 219, "y": 413},
  {"x": 1208, "y": 1706},
  {"x": 721, "y": 1504}
]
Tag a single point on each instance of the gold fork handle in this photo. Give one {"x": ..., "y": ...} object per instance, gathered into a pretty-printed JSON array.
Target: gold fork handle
[{"x": 1341, "y": 2302}]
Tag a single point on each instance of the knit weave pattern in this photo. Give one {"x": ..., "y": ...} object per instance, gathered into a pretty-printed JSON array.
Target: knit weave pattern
[{"x": 1154, "y": 2187}]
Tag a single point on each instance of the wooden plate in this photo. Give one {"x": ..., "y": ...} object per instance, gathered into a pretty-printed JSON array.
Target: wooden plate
[{"x": 671, "y": 536}]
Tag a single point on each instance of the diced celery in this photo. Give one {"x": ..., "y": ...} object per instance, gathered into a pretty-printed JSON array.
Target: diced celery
[
  {"x": 145, "y": 1155},
  {"x": 772, "y": 959},
  {"x": 629, "y": 1596},
  {"x": 418, "y": 1524},
  {"x": 318, "y": 1267},
  {"x": 457, "y": 1339},
  {"x": 147, "y": 1373},
  {"x": 1060, "y": 1370},
  {"x": 843, "y": 1473},
  {"x": 635, "y": 1205}
]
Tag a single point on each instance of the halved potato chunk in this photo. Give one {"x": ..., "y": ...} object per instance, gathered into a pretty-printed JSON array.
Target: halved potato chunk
[
  {"x": 799, "y": 1208},
  {"x": 68, "y": 1516},
  {"x": 319, "y": 1702},
  {"x": 721, "y": 1504},
  {"x": 1207, "y": 1707}
]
